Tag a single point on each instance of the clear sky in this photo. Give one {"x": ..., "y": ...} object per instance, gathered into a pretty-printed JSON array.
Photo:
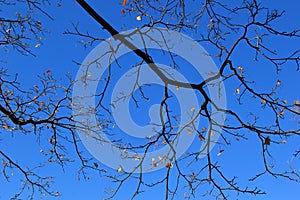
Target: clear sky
[{"x": 57, "y": 53}]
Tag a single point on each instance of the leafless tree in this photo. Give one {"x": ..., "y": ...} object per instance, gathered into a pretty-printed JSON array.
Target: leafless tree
[{"x": 225, "y": 29}]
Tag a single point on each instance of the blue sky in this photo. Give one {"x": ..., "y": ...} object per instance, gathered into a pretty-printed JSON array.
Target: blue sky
[{"x": 57, "y": 52}]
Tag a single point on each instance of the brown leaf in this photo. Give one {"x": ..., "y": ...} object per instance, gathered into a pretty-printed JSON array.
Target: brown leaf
[
  {"x": 169, "y": 165},
  {"x": 50, "y": 140},
  {"x": 268, "y": 141},
  {"x": 240, "y": 68},
  {"x": 284, "y": 141},
  {"x": 263, "y": 101},
  {"x": 278, "y": 82},
  {"x": 281, "y": 113},
  {"x": 124, "y": 2},
  {"x": 200, "y": 137}
]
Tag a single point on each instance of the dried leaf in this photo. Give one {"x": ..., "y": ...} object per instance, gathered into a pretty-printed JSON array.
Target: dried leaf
[
  {"x": 189, "y": 131},
  {"x": 281, "y": 113},
  {"x": 150, "y": 137},
  {"x": 237, "y": 90},
  {"x": 200, "y": 137},
  {"x": 138, "y": 18},
  {"x": 155, "y": 164},
  {"x": 119, "y": 169},
  {"x": 124, "y": 2},
  {"x": 283, "y": 141},
  {"x": 263, "y": 101},
  {"x": 278, "y": 82},
  {"x": 192, "y": 109},
  {"x": 123, "y": 11},
  {"x": 169, "y": 165},
  {"x": 137, "y": 157},
  {"x": 268, "y": 141},
  {"x": 240, "y": 68},
  {"x": 48, "y": 71},
  {"x": 50, "y": 140}
]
